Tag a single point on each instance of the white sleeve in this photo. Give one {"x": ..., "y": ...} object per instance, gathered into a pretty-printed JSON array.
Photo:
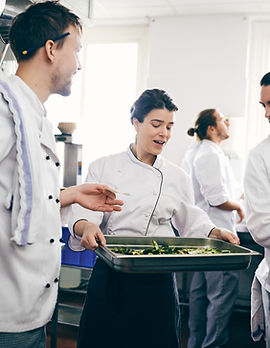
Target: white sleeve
[
  {"x": 208, "y": 171},
  {"x": 257, "y": 197}
]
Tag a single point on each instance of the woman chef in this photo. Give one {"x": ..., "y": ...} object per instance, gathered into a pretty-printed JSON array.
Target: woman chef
[{"x": 139, "y": 310}]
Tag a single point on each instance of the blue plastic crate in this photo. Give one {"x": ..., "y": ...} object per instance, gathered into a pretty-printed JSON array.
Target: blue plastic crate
[{"x": 85, "y": 258}]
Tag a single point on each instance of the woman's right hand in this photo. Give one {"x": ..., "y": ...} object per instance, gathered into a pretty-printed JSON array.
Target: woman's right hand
[{"x": 90, "y": 233}]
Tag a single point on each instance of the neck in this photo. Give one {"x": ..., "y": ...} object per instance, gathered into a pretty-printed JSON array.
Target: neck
[
  {"x": 143, "y": 157},
  {"x": 33, "y": 77}
]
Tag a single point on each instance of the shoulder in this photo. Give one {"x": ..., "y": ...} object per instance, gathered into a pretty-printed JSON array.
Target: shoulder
[
  {"x": 207, "y": 152},
  {"x": 174, "y": 169},
  {"x": 260, "y": 148}
]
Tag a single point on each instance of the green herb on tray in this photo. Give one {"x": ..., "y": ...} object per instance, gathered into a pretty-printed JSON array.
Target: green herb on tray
[{"x": 167, "y": 250}]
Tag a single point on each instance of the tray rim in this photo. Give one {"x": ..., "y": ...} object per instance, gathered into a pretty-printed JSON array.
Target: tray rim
[{"x": 135, "y": 263}]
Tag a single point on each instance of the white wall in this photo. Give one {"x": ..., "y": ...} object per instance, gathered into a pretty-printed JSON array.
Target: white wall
[{"x": 201, "y": 62}]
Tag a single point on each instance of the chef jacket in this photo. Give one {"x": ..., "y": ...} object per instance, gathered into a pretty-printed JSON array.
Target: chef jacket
[
  {"x": 154, "y": 197},
  {"x": 213, "y": 181},
  {"x": 257, "y": 199},
  {"x": 28, "y": 274}
]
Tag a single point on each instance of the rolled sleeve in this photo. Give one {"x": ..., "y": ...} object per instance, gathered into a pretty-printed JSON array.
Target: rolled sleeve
[{"x": 209, "y": 173}]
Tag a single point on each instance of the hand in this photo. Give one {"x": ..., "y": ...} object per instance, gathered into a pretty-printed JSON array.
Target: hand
[
  {"x": 241, "y": 214},
  {"x": 91, "y": 196},
  {"x": 220, "y": 233},
  {"x": 91, "y": 235}
]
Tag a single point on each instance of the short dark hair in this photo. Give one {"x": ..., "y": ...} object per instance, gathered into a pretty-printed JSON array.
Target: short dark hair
[
  {"x": 204, "y": 119},
  {"x": 38, "y": 23},
  {"x": 149, "y": 100},
  {"x": 265, "y": 81}
]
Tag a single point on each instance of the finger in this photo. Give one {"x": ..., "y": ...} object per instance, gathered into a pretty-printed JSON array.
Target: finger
[
  {"x": 106, "y": 208},
  {"x": 116, "y": 208},
  {"x": 114, "y": 201},
  {"x": 101, "y": 239},
  {"x": 232, "y": 238},
  {"x": 109, "y": 192}
]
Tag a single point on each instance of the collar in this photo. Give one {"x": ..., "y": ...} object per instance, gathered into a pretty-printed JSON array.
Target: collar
[{"x": 157, "y": 164}]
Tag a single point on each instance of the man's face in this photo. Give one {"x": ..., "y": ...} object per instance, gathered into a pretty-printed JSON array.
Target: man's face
[
  {"x": 265, "y": 100},
  {"x": 67, "y": 62},
  {"x": 222, "y": 126}
]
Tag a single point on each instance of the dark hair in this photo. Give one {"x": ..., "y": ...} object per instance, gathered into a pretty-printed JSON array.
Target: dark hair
[
  {"x": 204, "y": 119},
  {"x": 38, "y": 23},
  {"x": 265, "y": 81},
  {"x": 149, "y": 100}
]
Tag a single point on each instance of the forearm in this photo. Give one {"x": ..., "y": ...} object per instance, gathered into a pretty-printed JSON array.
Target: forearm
[
  {"x": 91, "y": 235},
  {"x": 67, "y": 196},
  {"x": 80, "y": 226},
  {"x": 229, "y": 205}
]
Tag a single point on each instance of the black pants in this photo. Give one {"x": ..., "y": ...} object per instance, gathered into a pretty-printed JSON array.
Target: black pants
[{"x": 130, "y": 310}]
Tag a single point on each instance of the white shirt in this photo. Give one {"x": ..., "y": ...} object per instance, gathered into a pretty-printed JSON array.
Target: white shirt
[
  {"x": 28, "y": 274},
  {"x": 157, "y": 195},
  {"x": 213, "y": 181},
  {"x": 257, "y": 198}
]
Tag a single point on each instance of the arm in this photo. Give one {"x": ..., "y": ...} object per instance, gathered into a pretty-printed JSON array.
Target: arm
[
  {"x": 90, "y": 233},
  {"x": 192, "y": 221},
  {"x": 213, "y": 186},
  {"x": 91, "y": 196},
  {"x": 230, "y": 205}
]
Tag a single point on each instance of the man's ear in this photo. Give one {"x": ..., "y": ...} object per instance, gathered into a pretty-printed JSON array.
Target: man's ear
[
  {"x": 211, "y": 129},
  {"x": 49, "y": 49}
]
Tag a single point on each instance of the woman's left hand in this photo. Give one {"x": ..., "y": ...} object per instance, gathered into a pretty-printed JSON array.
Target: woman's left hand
[{"x": 221, "y": 233}]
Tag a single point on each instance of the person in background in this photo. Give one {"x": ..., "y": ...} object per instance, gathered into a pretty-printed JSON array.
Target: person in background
[
  {"x": 212, "y": 294},
  {"x": 257, "y": 198},
  {"x": 134, "y": 310},
  {"x": 45, "y": 39}
]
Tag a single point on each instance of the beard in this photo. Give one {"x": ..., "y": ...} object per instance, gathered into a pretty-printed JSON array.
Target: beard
[{"x": 61, "y": 86}]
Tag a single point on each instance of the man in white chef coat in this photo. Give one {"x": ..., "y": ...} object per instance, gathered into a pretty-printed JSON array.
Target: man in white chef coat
[
  {"x": 212, "y": 294},
  {"x": 257, "y": 198},
  {"x": 45, "y": 39}
]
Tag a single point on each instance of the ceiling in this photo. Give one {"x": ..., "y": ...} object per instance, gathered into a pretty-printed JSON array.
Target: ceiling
[
  {"x": 102, "y": 10},
  {"x": 124, "y": 9}
]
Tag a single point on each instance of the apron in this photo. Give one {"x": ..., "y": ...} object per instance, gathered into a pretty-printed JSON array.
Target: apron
[{"x": 130, "y": 310}]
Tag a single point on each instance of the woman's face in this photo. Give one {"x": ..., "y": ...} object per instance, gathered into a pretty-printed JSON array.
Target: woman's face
[{"x": 153, "y": 133}]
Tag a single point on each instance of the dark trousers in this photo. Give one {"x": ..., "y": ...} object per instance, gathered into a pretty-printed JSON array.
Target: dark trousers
[
  {"x": 29, "y": 339},
  {"x": 211, "y": 300},
  {"x": 130, "y": 310}
]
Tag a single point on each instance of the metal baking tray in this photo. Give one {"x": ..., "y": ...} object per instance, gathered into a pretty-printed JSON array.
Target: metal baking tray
[{"x": 238, "y": 258}]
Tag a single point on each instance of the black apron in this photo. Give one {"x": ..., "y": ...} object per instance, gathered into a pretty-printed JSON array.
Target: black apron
[{"x": 130, "y": 310}]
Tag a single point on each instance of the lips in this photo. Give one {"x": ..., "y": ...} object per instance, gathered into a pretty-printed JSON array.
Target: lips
[{"x": 159, "y": 142}]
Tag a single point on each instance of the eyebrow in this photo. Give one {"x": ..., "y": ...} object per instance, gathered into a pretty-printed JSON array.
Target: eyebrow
[{"x": 161, "y": 121}]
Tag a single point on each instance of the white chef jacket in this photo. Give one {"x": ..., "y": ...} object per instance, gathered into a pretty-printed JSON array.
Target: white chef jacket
[
  {"x": 156, "y": 195},
  {"x": 28, "y": 274},
  {"x": 213, "y": 181},
  {"x": 257, "y": 198}
]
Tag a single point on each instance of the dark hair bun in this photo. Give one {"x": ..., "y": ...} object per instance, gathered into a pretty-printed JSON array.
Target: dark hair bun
[{"x": 191, "y": 131}]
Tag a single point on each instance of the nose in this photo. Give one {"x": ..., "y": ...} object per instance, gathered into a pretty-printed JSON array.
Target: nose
[
  {"x": 79, "y": 65},
  {"x": 163, "y": 131},
  {"x": 267, "y": 111}
]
